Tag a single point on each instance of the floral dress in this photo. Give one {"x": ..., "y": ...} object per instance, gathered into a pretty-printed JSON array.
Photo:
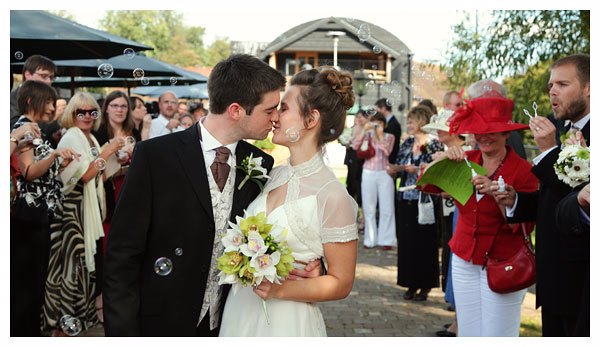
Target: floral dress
[
  {"x": 34, "y": 206},
  {"x": 418, "y": 265}
]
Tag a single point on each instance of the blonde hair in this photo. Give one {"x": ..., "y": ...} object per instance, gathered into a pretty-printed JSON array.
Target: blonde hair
[{"x": 79, "y": 100}]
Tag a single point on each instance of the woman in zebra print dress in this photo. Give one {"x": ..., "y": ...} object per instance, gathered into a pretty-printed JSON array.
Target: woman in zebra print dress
[
  {"x": 38, "y": 193},
  {"x": 75, "y": 266}
]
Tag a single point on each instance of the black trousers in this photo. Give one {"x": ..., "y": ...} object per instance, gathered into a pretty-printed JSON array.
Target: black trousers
[
  {"x": 204, "y": 328},
  {"x": 557, "y": 325}
]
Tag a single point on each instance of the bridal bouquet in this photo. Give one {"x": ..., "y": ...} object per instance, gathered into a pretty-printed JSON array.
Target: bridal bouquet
[
  {"x": 573, "y": 165},
  {"x": 254, "y": 251}
]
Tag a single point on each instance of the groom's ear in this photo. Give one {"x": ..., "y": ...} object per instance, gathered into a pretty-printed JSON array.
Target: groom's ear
[
  {"x": 235, "y": 111},
  {"x": 313, "y": 119}
]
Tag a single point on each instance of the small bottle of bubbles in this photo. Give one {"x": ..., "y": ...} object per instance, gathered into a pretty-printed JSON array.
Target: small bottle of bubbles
[{"x": 501, "y": 185}]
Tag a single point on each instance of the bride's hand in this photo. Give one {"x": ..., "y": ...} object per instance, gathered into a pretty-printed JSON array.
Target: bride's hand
[
  {"x": 266, "y": 290},
  {"x": 312, "y": 269}
]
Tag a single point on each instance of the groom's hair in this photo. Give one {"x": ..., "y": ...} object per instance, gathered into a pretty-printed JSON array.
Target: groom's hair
[{"x": 243, "y": 79}]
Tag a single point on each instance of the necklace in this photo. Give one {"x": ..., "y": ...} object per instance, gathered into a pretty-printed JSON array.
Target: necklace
[{"x": 494, "y": 175}]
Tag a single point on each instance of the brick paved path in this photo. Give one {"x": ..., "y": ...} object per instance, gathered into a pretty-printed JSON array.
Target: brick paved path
[{"x": 375, "y": 306}]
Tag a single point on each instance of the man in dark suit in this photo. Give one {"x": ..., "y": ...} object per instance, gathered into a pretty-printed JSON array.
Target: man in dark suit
[
  {"x": 37, "y": 68},
  {"x": 392, "y": 126},
  {"x": 160, "y": 266},
  {"x": 562, "y": 265},
  {"x": 573, "y": 220}
]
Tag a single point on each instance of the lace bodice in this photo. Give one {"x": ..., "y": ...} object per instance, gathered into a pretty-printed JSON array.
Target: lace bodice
[{"x": 317, "y": 209}]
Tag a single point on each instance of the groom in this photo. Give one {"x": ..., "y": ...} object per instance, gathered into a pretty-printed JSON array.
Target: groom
[{"x": 180, "y": 191}]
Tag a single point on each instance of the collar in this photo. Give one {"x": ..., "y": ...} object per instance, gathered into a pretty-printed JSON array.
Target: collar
[
  {"x": 580, "y": 123},
  {"x": 209, "y": 142},
  {"x": 312, "y": 166},
  {"x": 387, "y": 119}
]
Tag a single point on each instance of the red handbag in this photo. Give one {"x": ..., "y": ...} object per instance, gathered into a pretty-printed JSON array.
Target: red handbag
[
  {"x": 514, "y": 273},
  {"x": 366, "y": 149}
]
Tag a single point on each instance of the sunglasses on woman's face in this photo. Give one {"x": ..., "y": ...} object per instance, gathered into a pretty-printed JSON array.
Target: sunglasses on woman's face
[{"x": 81, "y": 113}]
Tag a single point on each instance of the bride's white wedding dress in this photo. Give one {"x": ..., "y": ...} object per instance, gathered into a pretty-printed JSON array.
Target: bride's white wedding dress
[{"x": 317, "y": 210}]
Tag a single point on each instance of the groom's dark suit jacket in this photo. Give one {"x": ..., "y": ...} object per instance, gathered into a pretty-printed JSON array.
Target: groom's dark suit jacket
[
  {"x": 561, "y": 259},
  {"x": 164, "y": 205}
]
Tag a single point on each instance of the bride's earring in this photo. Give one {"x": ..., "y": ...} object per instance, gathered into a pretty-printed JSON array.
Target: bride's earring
[{"x": 292, "y": 134}]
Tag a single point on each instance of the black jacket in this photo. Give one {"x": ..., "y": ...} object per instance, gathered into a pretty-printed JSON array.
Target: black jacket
[
  {"x": 165, "y": 204},
  {"x": 560, "y": 258}
]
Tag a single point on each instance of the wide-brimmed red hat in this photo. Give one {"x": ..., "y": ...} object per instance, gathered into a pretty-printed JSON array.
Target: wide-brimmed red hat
[{"x": 484, "y": 116}]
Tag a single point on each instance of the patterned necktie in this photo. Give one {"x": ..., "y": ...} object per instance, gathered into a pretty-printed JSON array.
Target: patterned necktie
[{"x": 220, "y": 168}]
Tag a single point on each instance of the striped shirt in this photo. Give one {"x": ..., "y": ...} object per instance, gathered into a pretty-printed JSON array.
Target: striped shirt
[{"x": 379, "y": 161}]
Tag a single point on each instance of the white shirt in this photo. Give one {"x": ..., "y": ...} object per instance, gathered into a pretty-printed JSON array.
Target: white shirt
[
  {"x": 159, "y": 127},
  {"x": 209, "y": 143},
  {"x": 510, "y": 212},
  {"x": 579, "y": 125}
]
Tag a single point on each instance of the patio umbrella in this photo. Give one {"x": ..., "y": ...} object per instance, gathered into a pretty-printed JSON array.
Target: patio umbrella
[
  {"x": 40, "y": 32},
  {"x": 193, "y": 91},
  {"x": 187, "y": 77},
  {"x": 123, "y": 66}
]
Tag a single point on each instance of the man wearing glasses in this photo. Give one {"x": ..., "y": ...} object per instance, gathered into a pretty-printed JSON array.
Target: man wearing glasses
[
  {"x": 165, "y": 123},
  {"x": 37, "y": 68}
]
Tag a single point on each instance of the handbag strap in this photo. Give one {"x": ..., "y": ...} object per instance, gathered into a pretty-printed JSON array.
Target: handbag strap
[{"x": 489, "y": 251}]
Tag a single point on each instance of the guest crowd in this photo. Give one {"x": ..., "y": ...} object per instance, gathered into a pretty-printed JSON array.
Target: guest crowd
[{"x": 69, "y": 160}]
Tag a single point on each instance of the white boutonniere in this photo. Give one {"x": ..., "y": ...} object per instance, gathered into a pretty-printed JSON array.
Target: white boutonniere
[{"x": 254, "y": 171}]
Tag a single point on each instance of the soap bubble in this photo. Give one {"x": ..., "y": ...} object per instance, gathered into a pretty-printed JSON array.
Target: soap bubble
[
  {"x": 105, "y": 70},
  {"x": 94, "y": 152},
  {"x": 138, "y": 73},
  {"x": 292, "y": 134},
  {"x": 377, "y": 49},
  {"x": 145, "y": 81},
  {"x": 100, "y": 164},
  {"x": 70, "y": 325},
  {"x": 178, "y": 251},
  {"x": 18, "y": 55},
  {"x": 173, "y": 80},
  {"x": 363, "y": 35},
  {"x": 371, "y": 111},
  {"x": 129, "y": 53},
  {"x": 163, "y": 266}
]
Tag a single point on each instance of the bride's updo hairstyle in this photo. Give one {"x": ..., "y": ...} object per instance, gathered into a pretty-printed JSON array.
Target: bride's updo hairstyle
[{"x": 330, "y": 92}]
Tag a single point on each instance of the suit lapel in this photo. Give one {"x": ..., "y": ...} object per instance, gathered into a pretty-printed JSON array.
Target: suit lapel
[
  {"x": 192, "y": 160},
  {"x": 240, "y": 196},
  {"x": 586, "y": 132}
]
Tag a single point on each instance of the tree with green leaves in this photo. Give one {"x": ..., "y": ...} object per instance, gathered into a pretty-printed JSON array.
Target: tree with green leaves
[
  {"x": 513, "y": 41},
  {"x": 172, "y": 40},
  {"x": 518, "y": 44}
]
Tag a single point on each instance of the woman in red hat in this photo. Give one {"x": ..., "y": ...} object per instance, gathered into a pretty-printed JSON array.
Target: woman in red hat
[{"x": 480, "y": 311}]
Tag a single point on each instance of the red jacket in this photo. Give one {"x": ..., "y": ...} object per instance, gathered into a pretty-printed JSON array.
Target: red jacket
[{"x": 478, "y": 222}]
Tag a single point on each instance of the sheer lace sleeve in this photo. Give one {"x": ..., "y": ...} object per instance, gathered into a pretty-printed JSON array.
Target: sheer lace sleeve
[{"x": 338, "y": 209}]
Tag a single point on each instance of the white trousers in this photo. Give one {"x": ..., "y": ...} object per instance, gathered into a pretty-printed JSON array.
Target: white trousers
[
  {"x": 480, "y": 311},
  {"x": 378, "y": 185}
]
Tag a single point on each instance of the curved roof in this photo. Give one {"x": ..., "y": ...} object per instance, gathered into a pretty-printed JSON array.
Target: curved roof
[{"x": 311, "y": 36}]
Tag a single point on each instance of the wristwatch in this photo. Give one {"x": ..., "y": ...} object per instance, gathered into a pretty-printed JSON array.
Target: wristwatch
[{"x": 14, "y": 139}]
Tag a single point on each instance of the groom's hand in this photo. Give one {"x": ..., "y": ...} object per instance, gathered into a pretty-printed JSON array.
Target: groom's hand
[{"x": 312, "y": 269}]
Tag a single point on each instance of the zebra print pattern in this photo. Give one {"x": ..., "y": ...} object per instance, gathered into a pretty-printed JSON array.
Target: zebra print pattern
[{"x": 70, "y": 287}]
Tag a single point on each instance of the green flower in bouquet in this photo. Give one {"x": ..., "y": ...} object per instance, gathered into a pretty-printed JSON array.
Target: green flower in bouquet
[
  {"x": 255, "y": 223},
  {"x": 254, "y": 250}
]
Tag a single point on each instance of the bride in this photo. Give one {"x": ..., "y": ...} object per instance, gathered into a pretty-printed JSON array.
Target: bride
[{"x": 306, "y": 198}]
